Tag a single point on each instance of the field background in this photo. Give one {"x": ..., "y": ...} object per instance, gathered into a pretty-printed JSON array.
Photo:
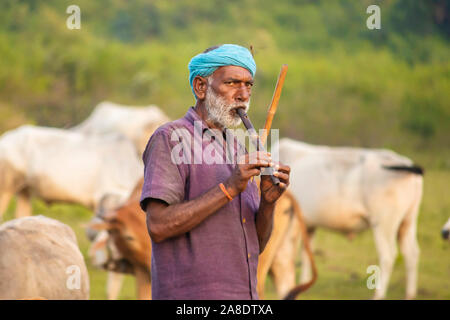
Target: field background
[{"x": 346, "y": 85}]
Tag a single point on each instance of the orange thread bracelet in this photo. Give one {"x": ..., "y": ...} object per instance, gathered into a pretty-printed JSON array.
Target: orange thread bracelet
[{"x": 225, "y": 191}]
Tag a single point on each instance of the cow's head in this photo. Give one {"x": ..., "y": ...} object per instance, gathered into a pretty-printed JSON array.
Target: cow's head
[
  {"x": 107, "y": 203},
  {"x": 445, "y": 232},
  {"x": 127, "y": 229}
]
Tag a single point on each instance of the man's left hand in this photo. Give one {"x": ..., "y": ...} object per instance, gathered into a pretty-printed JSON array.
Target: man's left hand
[{"x": 271, "y": 192}]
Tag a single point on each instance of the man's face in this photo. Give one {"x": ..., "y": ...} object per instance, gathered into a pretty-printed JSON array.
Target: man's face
[{"x": 228, "y": 88}]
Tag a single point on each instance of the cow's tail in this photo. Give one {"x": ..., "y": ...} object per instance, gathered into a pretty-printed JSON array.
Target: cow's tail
[
  {"x": 416, "y": 169},
  {"x": 294, "y": 292}
]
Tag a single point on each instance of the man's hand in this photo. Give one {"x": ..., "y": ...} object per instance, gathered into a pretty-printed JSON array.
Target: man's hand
[
  {"x": 271, "y": 192},
  {"x": 248, "y": 166}
]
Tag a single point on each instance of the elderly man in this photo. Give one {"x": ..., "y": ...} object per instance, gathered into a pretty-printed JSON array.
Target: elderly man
[{"x": 207, "y": 221}]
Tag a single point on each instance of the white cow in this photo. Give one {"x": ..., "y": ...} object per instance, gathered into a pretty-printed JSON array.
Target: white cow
[
  {"x": 40, "y": 258},
  {"x": 59, "y": 165},
  {"x": 136, "y": 123},
  {"x": 352, "y": 189},
  {"x": 446, "y": 230}
]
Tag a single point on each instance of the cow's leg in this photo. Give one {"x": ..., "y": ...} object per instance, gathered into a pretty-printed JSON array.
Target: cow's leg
[
  {"x": 265, "y": 261},
  {"x": 281, "y": 225},
  {"x": 306, "y": 273},
  {"x": 387, "y": 251},
  {"x": 5, "y": 198},
  {"x": 407, "y": 237},
  {"x": 23, "y": 208},
  {"x": 283, "y": 266},
  {"x": 283, "y": 272},
  {"x": 263, "y": 268},
  {"x": 143, "y": 283},
  {"x": 113, "y": 285},
  {"x": 410, "y": 250}
]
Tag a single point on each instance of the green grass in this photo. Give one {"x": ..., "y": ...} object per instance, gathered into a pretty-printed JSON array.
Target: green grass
[{"x": 341, "y": 263}]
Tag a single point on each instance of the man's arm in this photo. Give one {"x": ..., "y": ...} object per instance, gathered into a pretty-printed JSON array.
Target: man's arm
[
  {"x": 264, "y": 223},
  {"x": 165, "y": 221}
]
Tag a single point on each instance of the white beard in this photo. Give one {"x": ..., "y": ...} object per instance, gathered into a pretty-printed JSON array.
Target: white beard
[{"x": 219, "y": 112}]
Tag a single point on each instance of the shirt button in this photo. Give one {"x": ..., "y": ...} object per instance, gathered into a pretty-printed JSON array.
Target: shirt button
[
  {"x": 243, "y": 220},
  {"x": 248, "y": 255}
]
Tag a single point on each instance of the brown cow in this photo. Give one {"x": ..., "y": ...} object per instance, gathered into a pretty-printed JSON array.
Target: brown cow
[
  {"x": 127, "y": 228},
  {"x": 279, "y": 255}
]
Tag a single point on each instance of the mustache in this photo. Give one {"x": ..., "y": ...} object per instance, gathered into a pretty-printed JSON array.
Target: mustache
[{"x": 237, "y": 105}]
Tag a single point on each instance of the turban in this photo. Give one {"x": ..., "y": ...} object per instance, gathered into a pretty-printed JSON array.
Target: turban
[{"x": 204, "y": 64}]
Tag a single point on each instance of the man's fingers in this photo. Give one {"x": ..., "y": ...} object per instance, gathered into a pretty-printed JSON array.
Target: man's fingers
[
  {"x": 282, "y": 176},
  {"x": 257, "y": 160},
  {"x": 254, "y": 172},
  {"x": 282, "y": 168},
  {"x": 282, "y": 185},
  {"x": 258, "y": 164},
  {"x": 252, "y": 159},
  {"x": 259, "y": 155}
]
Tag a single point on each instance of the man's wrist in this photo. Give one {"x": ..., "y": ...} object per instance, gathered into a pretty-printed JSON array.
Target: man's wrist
[
  {"x": 266, "y": 207},
  {"x": 232, "y": 191}
]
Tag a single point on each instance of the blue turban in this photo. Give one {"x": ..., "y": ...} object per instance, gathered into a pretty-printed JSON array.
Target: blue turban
[{"x": 204, "y": 64}]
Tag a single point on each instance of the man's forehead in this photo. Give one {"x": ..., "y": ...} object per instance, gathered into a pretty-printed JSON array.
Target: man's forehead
[{"x": 234, "y": 72}]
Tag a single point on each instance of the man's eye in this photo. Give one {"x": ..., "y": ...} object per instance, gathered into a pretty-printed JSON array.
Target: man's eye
[{"x": 236, "y": 83}]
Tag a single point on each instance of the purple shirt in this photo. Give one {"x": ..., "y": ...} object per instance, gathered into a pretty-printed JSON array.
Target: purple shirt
[{"x": 218, "y": 258}]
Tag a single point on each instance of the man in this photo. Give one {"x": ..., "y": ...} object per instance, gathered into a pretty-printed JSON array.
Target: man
[{"x": 207, "y": 221}]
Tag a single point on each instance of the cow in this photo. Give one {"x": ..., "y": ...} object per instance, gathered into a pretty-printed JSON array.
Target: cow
[
  {"x": 128, "y": 242},
  {"x": 59, "y": 165},
  {"x": 40, "y": 259},
  {"x": 446, "y": 230},
  {"x": 280, "y": 253},
  {"x": 352, "y": 189},
  {"x": 127, "y": 239},
  {"x": 136, "y": 123}
]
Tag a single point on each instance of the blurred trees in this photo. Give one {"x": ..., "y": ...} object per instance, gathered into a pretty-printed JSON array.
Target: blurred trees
[{"x": 346, "y": 84}]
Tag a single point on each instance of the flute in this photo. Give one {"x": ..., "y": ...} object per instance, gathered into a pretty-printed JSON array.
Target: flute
[{"x": 255, "y": 138}]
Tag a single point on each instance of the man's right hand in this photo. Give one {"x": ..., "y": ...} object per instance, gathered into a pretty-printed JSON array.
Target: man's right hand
[{"x": 248, "y": 165}]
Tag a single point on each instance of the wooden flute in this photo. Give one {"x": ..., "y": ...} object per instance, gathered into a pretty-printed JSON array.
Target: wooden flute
[{"x": 255, "y": 139}]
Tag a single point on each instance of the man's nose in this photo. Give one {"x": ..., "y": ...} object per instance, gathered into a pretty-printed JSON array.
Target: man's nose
[{"x": 243, "y": 94}]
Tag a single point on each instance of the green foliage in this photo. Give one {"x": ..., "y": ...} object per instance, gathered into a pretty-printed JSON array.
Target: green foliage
[{"x": 345, "y": 85}]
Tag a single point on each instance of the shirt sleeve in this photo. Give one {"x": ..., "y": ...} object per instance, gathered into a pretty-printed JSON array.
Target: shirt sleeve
[{"x": 163, "y": 179}]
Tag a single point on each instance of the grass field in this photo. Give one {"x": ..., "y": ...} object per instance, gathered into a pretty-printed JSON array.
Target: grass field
[{"x": 341, "y": 263}]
